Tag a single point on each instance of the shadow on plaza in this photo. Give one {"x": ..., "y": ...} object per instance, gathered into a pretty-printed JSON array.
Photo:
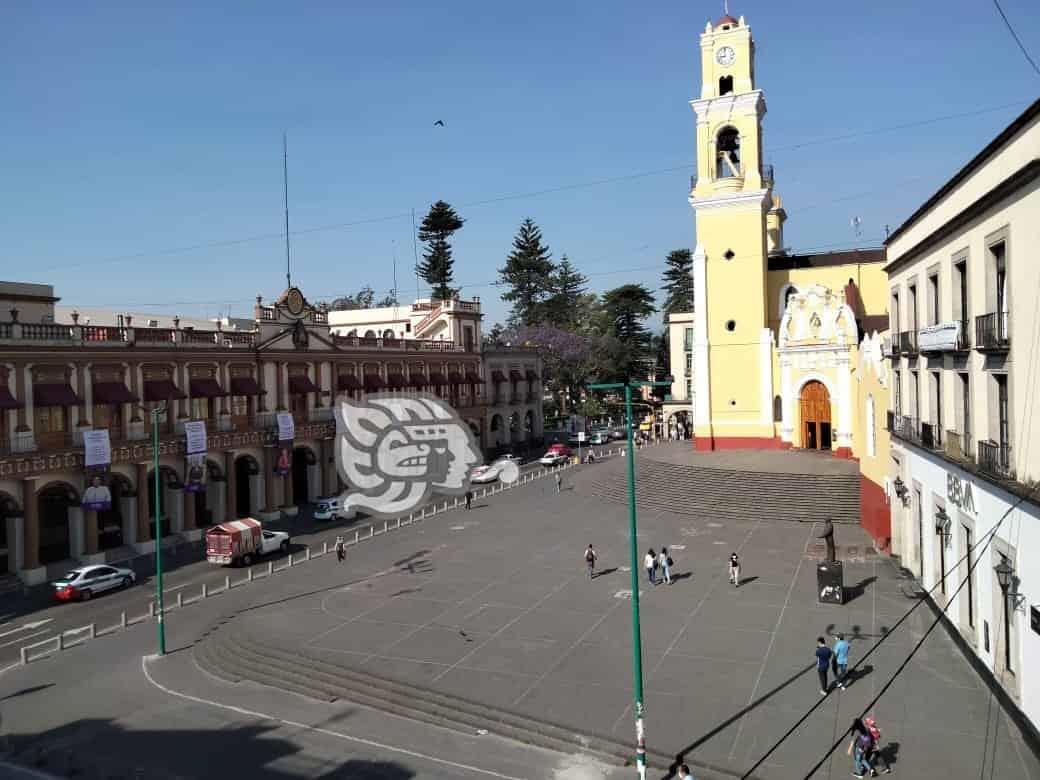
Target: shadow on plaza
[{"x": 99, "y": 749}]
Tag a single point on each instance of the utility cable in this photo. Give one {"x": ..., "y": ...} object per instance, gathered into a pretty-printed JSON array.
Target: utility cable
[{"x": 1014, "y": 35}]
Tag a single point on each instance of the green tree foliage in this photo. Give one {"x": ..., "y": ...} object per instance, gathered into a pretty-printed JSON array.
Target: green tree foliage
[
  {"x": 437, "y": 228},
  {"x": 678, "y": 282},
  {"x": 563, "y": 309},
  {"x": 626, "y": 356},
  {"x": 363, "y": 299},
  {"x": 527, "y": 275}
]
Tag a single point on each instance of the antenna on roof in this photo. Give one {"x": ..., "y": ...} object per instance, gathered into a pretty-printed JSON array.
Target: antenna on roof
[
  {"x": 725, "y": 7},
  {"x": 285, "y": 189}
]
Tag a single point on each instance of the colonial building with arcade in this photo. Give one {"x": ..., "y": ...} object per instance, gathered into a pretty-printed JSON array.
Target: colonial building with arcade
[{"x": 60, "y": 379}]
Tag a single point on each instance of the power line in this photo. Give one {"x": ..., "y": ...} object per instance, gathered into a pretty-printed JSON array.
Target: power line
[
  {"x": 514, "y": 196},
  {"x": 1014, "y": 35}
]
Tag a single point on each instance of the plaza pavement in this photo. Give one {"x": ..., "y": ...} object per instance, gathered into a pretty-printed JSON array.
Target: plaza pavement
[{"x": 493, "y": 605}]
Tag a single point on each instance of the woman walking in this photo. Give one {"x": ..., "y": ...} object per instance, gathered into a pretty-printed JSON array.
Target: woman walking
[
  {"x": 734, "y": 569},
  {"x": 860, "y": 748},
  {"x": 341, "y": 549},
  {"x": 666, "y": 565},
  {"x": 650, "y": 562}
]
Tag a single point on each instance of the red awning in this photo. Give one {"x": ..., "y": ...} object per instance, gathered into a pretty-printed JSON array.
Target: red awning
[
  {"x": 300, "y": 384},
  {"x": 437, "y": 379},
  {"x": 7, "y": 400},
  {"x": 473, "y": 377},
  {"x": 206, "y": 387},
  {"x": 497, "y": 376},
  {"x": 374, "y": 382},
  {"x": 54, "y": 395},
  {"x": 397, "y": 381},
  {"x": 532, "y": 375},
  {"x": 348, "y": 382},
  {"x": 245, "y": 385},
  {"x": 161, "y": 390},
  {"x": 456, "y": 378},
  {"x": 113, "y": 393},
  {"x": 416, "y": 378},
  {"x": 515, "y": 375}
]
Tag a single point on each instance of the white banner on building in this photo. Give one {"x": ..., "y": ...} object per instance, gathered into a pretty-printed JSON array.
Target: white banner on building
[
  {"x": 97, "y": 449},
  {"x": 195, "y": 435},
  {"x": 286, "y": 427}
]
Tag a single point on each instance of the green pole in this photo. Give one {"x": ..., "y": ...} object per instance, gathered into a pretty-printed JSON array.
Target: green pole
[
  {"x": 158, "y": 532},
  {"x": 637, "y": 644}
]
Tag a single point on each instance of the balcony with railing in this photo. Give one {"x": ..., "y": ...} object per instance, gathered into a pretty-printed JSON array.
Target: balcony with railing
[
  {"x": 951, "y": 336},
  {"x": 958, "y": 446},
  {"x": 41, "y": 335},
  {"x": 906, "y": 428},
  {"x": 908, "y": 342},
  {"x": 992, "y": 333},
  {"x": 931, "y": 436},
  {"x": 995, "y": 459}
]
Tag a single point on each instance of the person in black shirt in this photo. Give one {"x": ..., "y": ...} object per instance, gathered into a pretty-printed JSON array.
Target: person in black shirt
[{"x": 823, "y": 662}]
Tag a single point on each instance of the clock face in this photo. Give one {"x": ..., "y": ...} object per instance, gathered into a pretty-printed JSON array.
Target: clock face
[
  {"x": 294, "y": 302},
  {"x": 725, "y": 55}
]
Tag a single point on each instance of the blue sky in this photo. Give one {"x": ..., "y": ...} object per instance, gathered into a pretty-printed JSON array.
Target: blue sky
[{"x": 130, "y": 132}]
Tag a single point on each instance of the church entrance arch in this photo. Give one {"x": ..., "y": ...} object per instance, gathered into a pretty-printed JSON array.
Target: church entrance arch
[{"x": 815, "y": 404}]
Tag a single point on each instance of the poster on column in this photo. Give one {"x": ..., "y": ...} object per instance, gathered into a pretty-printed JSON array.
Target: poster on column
[
  {"x": 97, "y": 458},
  {"x": 283, "y": 464},
  {"x": 195, "y": 437},
  {"x": 195, "y": 473},
  {"x": 286, "y": 427}
]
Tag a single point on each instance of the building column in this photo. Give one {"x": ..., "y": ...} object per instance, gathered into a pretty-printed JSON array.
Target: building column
[
  {"x": 143, "y": 518},
  {"x": 185, "y": 385},
  {"x": 31, "y": 524},
  {"x": 268, "y": 466},
  {"x": 90, "y": 535},
  {"x": 76, "y": 540},
  {"x": 188, "y": 504},
  {"x": 19, "y": 390},
  {"x": 279, "y": 386},
  {"x": 129, "y": 510},
  {"x": 261, "y": 381},
  {"x": 230, "y": 487},
  {"x": 134, "y": 370},
  {"x": 287, "y": 483}
]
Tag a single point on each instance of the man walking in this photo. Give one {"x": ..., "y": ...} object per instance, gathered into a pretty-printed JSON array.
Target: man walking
[
  {"x": 590, "y": 561},
  {"x": 559, "y": 482},
  {"x": 469, "y": 498},
  {"x": 823, "y": 662},
  {"x": 341, "y": 549},
  {"x": 841, "y": 658}
]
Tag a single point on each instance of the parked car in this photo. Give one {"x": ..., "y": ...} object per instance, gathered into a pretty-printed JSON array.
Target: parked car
[
  {"x": 599, "y": 437},
  {"x": 83, "y": 583},
  {"x": 328, "y": 509},
  {"x": 242, "y": 541},
  {"x": 554, "y": 458},
  {"x": 481, "y": 475},
  {"x": 563, "y": 449},
  {"x": 617, "y": 434}
]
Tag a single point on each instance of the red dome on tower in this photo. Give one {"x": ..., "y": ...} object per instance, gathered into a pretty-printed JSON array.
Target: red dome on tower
[{"x": 727, "y": 20}]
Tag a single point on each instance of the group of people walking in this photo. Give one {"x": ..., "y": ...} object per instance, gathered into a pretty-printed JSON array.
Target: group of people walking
[{"x": 653, "y": 561}]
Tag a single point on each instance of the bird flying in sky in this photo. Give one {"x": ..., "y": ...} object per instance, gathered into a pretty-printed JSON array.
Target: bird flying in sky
[{"x": 439, "y": 123}]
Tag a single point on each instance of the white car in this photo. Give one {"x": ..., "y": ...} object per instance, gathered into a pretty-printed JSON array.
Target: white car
[
  {"x": 86, "y": 581},
  {"x": 272, "y": 541},
  {"x": 327, "y": 509},
  {"x": 553, "y": 458},
  {"x": 483, "y": 474},
  {"x": 599, "y": 437}
]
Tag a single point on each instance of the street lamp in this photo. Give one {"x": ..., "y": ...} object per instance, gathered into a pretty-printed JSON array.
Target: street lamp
[
  {"x": 158, "y": 410},
  {"x": 1005, "y": 573},
  {"x": 637, "y": 645}
]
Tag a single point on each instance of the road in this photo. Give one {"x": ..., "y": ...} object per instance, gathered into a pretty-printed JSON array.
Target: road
[{"x": 42, "y": 618}]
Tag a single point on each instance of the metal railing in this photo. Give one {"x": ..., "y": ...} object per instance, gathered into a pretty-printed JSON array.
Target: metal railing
[
  {"x": 991, "y": 331},
  {"x": 958, "y": 445},
  {"x": 907, "y": 428},
  {"x": 931, "y": 436},
  {"x": 995, "y": 458}
]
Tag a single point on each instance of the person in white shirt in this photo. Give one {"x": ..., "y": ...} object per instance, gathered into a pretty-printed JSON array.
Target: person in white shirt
[
  {"x": 650, "y": 562},
  {"x": 665, "y": 563}
]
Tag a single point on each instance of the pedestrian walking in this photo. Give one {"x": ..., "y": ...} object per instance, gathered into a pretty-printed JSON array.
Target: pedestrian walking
[
  {"x": 559, "y": 482},
  {"x": 841, "y": 661},
  {"x": 684, "y": 773},
  {"x": 734, "y": 569},
  {"x": 341, "y": 549},
  {"x": 590, "y": 561},
  {"x": 875, "y": 754},
  {"x": 823, "y": 663},
  {"x": 650, "y": 562},
  {"x": 665, "y": 562},
  {"x": 860, "y": 748},
  {"x": 469, "y": 499}
]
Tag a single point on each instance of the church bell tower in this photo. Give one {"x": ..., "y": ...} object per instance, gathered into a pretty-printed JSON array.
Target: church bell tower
[{"x": 738, "y": 225}]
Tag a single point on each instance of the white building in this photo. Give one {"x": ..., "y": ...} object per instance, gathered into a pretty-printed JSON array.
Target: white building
[
  {"x": 453, "y": 320},
  {"x": 964, "y": 274},
  {"x": 677, "y": 408}
]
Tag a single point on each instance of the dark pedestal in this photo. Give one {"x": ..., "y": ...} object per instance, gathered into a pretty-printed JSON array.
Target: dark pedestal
[{"x": 830, "y": 582}]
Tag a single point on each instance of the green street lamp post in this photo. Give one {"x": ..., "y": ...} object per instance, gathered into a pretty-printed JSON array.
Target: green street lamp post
[
  {"x": 637, "y": 644},
  {"x": 161, "y": 409}
]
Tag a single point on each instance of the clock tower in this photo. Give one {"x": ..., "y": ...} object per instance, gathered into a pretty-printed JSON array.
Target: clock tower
[{"x": 739, "y": 222}]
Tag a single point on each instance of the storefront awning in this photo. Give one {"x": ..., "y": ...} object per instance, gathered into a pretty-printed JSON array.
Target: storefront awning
[
  {"x": 300, "y": 384},
  {"x": 7, "y": 401},
  {"x": 161, "y": 390},
  {"x": 374, "y": 382},
  {"x": 473, "y": 377},
  {"x": 348, "y": 382},
  {"x": 456, "y": 378},
  {"x": 54, "y": 395},
  {"x": 206, "y": 387},
  {"x": 437, "y": 379},
  {"x": 113, "y": 393},
  {"x": 397, "y": 381},
  {"x": 497, "y": 376},
  {"x": 245, "y": 385}
]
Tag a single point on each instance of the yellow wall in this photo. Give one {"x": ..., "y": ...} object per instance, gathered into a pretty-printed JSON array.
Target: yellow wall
[{"x": 869, "y": 277}]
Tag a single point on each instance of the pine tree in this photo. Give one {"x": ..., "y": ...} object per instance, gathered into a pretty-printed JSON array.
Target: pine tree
[
  {"x": 528, "y": 273},
  {"x": 436, "y": 266},
  {"x": 563, "y": 308},
  {"x": 626, "y": 307},
  {"x": 678, "y": 282}
]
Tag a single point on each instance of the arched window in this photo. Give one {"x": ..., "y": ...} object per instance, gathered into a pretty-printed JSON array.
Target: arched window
[
  {"x": 778, "y": 409},
  {"x": 727, "y": 148},
  {"x": 352, "y": 333},
  {"x": 370, "y": 334},
  {"x": 388, "y": 334},
  {"x": 725, "y": 85},
  {"x": 871, "y": 433}
]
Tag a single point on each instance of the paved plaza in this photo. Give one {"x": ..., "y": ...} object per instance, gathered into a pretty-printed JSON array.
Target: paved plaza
[{"x": 495, "y": 606}]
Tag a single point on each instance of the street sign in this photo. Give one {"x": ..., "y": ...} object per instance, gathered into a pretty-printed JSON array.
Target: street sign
[{"x": 581, "y": 436}]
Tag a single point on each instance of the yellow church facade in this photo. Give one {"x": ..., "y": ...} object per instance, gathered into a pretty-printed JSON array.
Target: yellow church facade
[{"x": 783, "y": 344}]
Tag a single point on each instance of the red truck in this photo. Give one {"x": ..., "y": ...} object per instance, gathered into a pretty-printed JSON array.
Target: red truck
[{"x": 242, "y": 541}]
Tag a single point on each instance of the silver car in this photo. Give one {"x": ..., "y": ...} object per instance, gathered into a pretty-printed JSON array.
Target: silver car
[{"x": 87, "y": 581}]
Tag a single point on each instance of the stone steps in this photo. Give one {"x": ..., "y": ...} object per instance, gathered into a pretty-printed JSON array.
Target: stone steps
[
  {"x": 235, "y": 656},
  {"x": 714, "y": 493}
]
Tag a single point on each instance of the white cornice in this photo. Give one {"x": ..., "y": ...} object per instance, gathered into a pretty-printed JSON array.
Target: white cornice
[
  {"x": 759, "y": 199},
  {"x": 747, "y": 103}
]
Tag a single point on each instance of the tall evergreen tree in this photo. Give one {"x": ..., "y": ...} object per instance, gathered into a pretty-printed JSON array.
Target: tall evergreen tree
[
  {"x": 436, "y": 267},
  {"x": 626, "y": 307},
  {"x": 528, "y": 273},
  {"x": 563, "y": 308},
  {"x": 678, "y": 281}
]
